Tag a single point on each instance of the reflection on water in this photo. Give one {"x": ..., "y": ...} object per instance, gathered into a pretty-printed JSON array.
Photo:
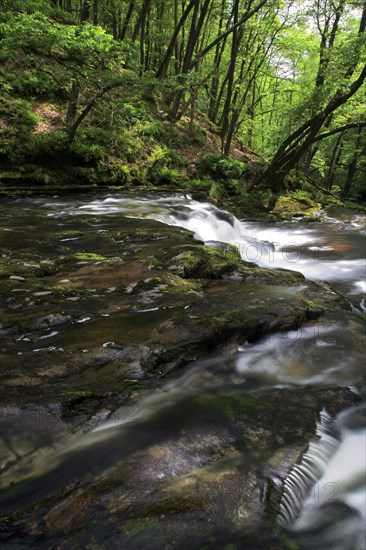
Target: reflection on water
[{"x": 320, "y": 353}]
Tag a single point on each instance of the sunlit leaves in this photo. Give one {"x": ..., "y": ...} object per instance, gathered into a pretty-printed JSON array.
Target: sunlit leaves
[{"x": 86, "y": 43}]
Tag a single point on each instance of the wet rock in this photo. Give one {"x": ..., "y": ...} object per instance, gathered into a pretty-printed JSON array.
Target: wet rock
[
  {"x": 124, "y": 362},
  {"x": 35, "y": 266},
  {"x": 8, "y": 333},
  {"x": 51, "y": 321},
  {"x": 211, "y": 449},
  {"x": 16, "y": 278},
  {"x": 291, "y": 205},
  {"x": 188, "y": 462},
  {"x": 205, "y": 262}
]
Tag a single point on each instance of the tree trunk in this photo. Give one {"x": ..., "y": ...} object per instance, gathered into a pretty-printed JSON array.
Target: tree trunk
[
  {"x": 114, "y": 25},
  {"x": 230, "y": 82},
  {"x": 213, "y": 107},
  {"x": 194, "y": 33},
  {"x": 352, "y": 168},
  {"x": 73, "y": 103},
  {"x": 127, "y": 19},
  {"x": 96, "y": 12},
  {"x": 163, "y": 68},
  {"x": 250, "y": 113},
  {"x": 297, "y": 143},
  {"x": 143, "y": 18},
  {"x": 74, "y": 124},
  {"x": 248, "y": 14},
  {"x": 84, "y": 10},
  {"x": 334, "y": 161}
]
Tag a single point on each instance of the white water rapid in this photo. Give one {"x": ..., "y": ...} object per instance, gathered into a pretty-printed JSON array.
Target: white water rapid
[{"x": 332, "y": 253}]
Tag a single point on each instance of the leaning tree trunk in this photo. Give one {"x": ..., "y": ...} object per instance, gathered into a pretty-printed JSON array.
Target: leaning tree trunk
[
  {"x": 127, "y": 19},
  {"x": 72, "y": 121},
  {"x": 163, "y": 68},
  {"x": 296, "y": 144}
]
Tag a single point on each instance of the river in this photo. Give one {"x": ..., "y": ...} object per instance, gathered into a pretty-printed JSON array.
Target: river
[{"x": 323, "y": 504}]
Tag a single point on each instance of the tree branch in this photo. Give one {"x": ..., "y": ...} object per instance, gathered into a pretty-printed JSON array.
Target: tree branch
[
  {"x": 231, "y": 29},
  {"x": 162, "y": 70},
  {"x": 325, "y": 191},
  {"x": 348, "y": 126},
  {"x": 72, "y": 129}
]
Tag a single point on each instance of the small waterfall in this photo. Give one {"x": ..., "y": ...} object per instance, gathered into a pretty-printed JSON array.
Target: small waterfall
[
  {"x": 304, "y": 476},
  {"x": 324, "y": 500},
  {"x": 316, "y": 252}
]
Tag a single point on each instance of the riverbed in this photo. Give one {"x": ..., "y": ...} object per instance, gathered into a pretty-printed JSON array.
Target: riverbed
[{"x": 158, "y": 393}]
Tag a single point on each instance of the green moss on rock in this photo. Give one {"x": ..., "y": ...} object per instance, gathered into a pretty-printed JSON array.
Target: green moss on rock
[
  {"x": 295, "y": 204},
  {"x": 198, "y": 261}
]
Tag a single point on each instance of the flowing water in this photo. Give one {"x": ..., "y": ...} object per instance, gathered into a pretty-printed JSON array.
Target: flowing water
[
  {"x": 323, "y": 504},
  {"x": 332, "y": 251}
]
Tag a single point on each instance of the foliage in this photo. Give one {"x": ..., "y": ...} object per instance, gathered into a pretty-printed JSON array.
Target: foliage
[
  {"x": 217, "y": 191},
  {"x": 226, "y": 172},
  {"x": 217, "y": 167},
  {"x": 88, "y": 61},
  {"x": 142, "y": 84},
  {"x": 19, "y": 122}
]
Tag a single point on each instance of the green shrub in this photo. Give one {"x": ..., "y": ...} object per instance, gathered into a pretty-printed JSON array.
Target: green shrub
[
  {"x": 151, "y": 128},
  {"x": 218, "y": 191},
  {"x": 221, "y": 168},
  {"x": 47, "y": 144},
  {"x": 134, "y": 113},
  {"x": 87, "y": 152},
  {"x": 34, "y": 83},
  {"x": 170, "y": 176},
  {"x": 200, "y": 184},
  {"x": 160, "y": 154},
  {"x": 115, "y": 170},
  {"x": 24, "y": 114},
  {"x": 139, "y": 174},
  {"x": 16, "y": 130}
]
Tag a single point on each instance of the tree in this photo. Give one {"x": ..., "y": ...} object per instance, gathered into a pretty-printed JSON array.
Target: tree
[
  {"x": 293, "y": 148},
  {"x": 88, "y": 59},
  {"x": 286, "y": 79}
]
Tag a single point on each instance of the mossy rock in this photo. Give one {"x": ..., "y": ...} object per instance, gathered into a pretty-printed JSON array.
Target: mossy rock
[
  {"x": 206, "y": 262},
  {"x": 295, "y": 204}
]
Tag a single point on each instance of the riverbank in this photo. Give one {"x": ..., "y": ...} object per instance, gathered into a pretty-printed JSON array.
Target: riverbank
[
  {"x": 130, "y": 144},
  {"x": 276, "y": 207}
]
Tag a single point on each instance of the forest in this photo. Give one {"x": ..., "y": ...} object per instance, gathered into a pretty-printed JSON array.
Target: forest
[
  {"x": 182, "y": 270},
  {"x": 259, "y": 95}
]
